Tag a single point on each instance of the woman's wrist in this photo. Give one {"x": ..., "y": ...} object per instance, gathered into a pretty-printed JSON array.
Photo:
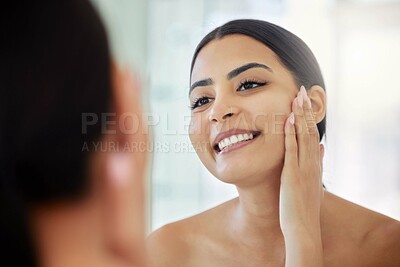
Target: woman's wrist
[
  {"x": 304, "y": 247},
  {"x": 310, "y": 230}
]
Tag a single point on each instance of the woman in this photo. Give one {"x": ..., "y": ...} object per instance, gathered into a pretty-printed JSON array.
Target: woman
[
  {"x": 63, "y": 202},
  {"x": 258, "y": 115}
]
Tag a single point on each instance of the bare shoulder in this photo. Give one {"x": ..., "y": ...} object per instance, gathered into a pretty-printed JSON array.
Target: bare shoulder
[
  {"x": 382, "y": 241},
  {"x": 175, "y": 243},
  {"x": 166, "y": 245},
  {"x": 372, "y": 237}
]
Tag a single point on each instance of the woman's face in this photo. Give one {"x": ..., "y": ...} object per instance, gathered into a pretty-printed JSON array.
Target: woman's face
[{"x": 240, "y": 96}]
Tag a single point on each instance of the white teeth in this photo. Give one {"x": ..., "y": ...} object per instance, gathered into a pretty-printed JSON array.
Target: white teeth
[
  {"x": 220, "y": 145},
  {"x": 227, "y": 141},
  {"x": 224, "y": 144},
  {"x": 233, "y": 140}
]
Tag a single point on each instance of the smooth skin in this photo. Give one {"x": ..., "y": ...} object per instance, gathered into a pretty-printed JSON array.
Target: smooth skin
[{"x": 282, "y": 216}]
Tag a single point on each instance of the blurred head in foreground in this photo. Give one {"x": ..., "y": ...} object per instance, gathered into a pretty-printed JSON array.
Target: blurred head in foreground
[{"x": 63, "y": 200}]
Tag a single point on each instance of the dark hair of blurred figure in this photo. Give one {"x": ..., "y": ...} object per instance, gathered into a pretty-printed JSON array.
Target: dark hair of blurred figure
[{"x": 55, "y": 65}]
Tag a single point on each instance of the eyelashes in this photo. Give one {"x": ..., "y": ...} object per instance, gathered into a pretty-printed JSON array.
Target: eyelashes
[
  {"x": 249, "y": 84},
  {"x": 198, "y": 102},
  {"x": 245, "y": 85}
]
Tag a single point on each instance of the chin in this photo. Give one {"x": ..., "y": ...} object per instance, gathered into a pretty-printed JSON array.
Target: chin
[{"x": 248, "y": 172}]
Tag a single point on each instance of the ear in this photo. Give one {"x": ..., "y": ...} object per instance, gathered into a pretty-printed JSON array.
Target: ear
[{"x": 318, "y": 102}]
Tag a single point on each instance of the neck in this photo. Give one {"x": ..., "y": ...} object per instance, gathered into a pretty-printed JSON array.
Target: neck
[{"x": 257, "y": 213}]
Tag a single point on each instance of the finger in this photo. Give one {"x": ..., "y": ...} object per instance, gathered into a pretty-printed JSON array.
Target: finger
[
  {"x": 126, "y": 171},
  {"x": 132, "y": 131},
  {"x": 303, "y": 138},
  {"x": 291, "y": 158},
  {"x": 311, "y": 125},
  {"x": 127, "y": 102},
  {"x": 141, "y": 137},
  {"x": 309, "y": 114}
]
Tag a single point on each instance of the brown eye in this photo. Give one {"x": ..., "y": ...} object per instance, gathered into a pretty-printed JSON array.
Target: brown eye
[
  {"x": 200, "y": 102},
  {"x": 250, "y": 85}
]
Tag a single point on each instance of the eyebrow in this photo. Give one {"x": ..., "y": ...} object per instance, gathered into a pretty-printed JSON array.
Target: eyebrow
[
  {"x": 205, "y": 82},
  {"x": 230, "y": 75},
  {"x": 243, "y": 68}
]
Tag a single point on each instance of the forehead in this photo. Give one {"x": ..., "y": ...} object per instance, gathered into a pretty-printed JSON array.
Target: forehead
[{"x": 221, "y": 56}]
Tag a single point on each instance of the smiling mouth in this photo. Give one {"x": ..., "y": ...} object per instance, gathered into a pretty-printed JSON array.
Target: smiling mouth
[{"x": 234, "y": 140}]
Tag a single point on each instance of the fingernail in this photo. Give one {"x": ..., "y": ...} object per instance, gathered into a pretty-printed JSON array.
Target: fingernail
[
  {"x": 303, "y": 92},
  {"x": 305, "y": 96},
  {"x": 118, "y": 168},
  {"x": 291, "y": 118},
  {"x": 300, "y": 101}
]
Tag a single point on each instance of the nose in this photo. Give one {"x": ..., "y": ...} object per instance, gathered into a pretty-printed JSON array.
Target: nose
[{"x": 221, "y": 111}]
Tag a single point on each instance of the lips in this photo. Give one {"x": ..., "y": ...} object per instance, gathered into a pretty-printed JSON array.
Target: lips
[{"x": 226, "y": 140}]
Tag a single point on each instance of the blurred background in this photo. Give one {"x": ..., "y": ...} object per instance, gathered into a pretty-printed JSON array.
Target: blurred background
[{"x": 357, "y": 43}]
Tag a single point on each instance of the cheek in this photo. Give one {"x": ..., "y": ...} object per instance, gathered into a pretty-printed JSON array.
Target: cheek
[
  {"x": 271, "y": 118},
  {"x": 199, "y": 135},
  {"x": 196, "y": 130}
]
